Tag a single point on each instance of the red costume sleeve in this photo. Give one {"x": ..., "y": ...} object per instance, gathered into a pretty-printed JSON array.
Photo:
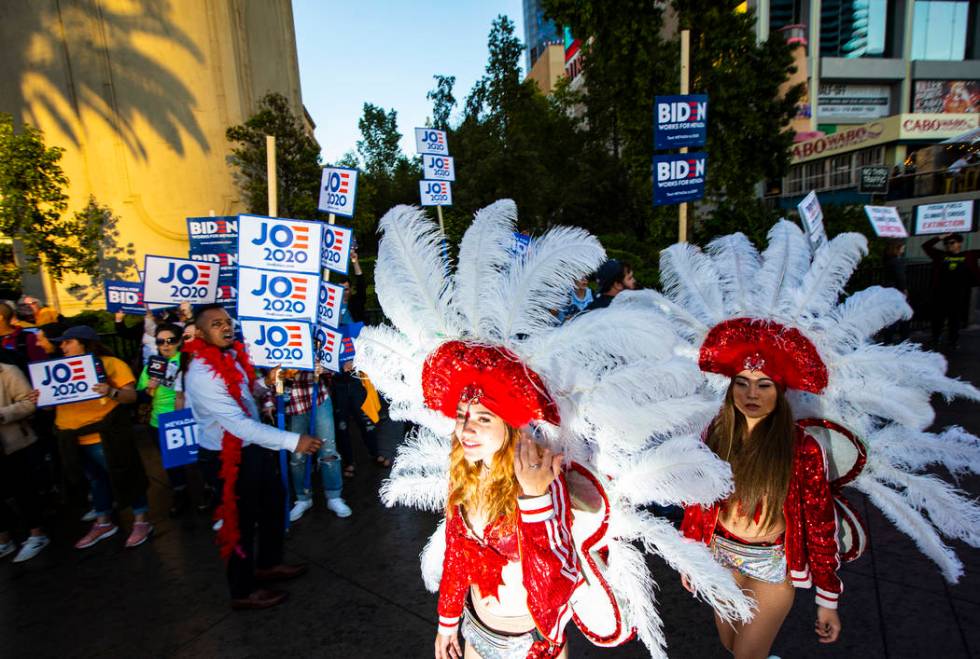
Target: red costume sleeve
[
  {"x": 455, "y": 580},
  {"x": 820, "y": 524},
  {"x": 548, "y": 558}
]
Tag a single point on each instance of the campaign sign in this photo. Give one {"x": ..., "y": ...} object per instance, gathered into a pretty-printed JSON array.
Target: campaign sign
[
  {"x": 350, "y": 331},
  {"x": 178, "y": 438},
  {"x": 951, "y": 217},
  {"x": 329, "y": 344},
  {"x": 430, "y": 140},
  {"x": 125, "y": 296},
  {"x": 436, "y": 193},
  {"x": 227, "y": 262},
  {"x": 680, "y": 121},
  {"x": 886, "y": 222},
  {"x": 228, "y": 297},
  {"x": 328, "y": 304},
  {"x": 438, "y": 168},
  {"x": 156, "y": 367},
  {"x": 678, "y": 178},
  {"x": 277, "y": 295},
  {"x": 274, "y": 343},
  {"x": 338, "y": 191},
  {"x": 168, "y": 280},
  {"x": 208, "y": 235},
  {"x": 337, "y": 244},
  {"x": 812, "y": 216},
  {"x": 519, "y": 247},
  {"x": 279, "y": 244},
  {"x": 65, "y": 380}
]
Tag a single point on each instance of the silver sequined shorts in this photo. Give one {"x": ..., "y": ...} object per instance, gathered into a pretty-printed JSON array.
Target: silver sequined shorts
[
  {"x": 492, "y": 644},
  {"x": 765, "y": 563}
]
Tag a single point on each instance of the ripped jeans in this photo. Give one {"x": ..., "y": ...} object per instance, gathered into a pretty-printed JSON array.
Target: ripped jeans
[{"x": 327, "y": 456}]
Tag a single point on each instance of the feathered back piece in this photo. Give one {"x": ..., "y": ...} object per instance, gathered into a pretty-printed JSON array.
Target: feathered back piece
[
  {"x": 880, "y": 392},
  {"x": 626, "y": 399}
]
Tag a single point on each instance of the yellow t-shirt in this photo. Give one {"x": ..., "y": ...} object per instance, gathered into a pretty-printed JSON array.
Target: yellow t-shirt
[
  {"x": 82, "y": 413},
  {"x": 46, "y": 315}
]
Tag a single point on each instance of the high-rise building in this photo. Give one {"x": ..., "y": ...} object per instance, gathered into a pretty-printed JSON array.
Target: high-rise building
[
  {"x": 139, "y": 93},
  {"x": 539, "y": 32}
]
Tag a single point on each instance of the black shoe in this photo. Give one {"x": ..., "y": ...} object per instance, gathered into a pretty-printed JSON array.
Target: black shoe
[{"x": 181, "y": 502}]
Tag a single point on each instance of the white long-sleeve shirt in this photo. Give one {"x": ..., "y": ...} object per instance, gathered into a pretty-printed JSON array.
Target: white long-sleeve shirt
[{"x": 216, "y": 411}]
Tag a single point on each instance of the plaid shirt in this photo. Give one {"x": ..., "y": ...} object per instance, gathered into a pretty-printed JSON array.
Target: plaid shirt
[{"x": 301, "y": 395}]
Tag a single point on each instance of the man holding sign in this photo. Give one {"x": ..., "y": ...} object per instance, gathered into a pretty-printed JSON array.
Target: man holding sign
[{"x": 220, "y": 388}]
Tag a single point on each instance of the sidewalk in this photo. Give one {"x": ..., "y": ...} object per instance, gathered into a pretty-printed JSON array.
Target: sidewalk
[{"x": 364, "y": 597}]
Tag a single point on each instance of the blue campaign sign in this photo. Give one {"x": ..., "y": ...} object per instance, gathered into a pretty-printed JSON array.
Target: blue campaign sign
[
  {"x": 680, "y": 121},
  {"x": 212, "y": 235},
  {"x": 350, "y": 331},
  {"x": 227, "y": 262},
  {"x": 678, "y": 178},
  {"x": 178, "y": 438},
  {"x": 125, "y": 296}
]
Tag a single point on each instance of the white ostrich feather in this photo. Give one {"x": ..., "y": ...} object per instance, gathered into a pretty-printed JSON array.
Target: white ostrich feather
[
  {"x": 690, "y": 279},
  {"x": 681, "y": 471},
  {"x": 432, "y": 556},
  {"x": 737, "y": 262},
  {"x": 630, "y": 578},
  {"x": 422, "y": 491},
  {"x": 954, "y": 448},
  {"x": 422, "y": 451},
  {"x": 865, "y": 313},
  {"x": 686, "y": 324},
  {"x": 784, "y": 264},
  {"x": 410, "y": 276},
  {"x": 832, "y": 266},
  {"x": 484, "y": 256}
]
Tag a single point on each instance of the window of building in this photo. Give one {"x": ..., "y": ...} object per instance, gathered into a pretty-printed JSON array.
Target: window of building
[
  {"x": 794, "y": 181},
  {"x": 853, "y": 28},
  {"x": 939, "y": 30},
  {"x": 842, "y": 171},
  {"x": 871, "y": 156},
  {"x": 815, "y": 175}
]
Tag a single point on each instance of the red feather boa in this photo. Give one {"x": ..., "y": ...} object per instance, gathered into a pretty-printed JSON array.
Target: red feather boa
[{"x": 223, "y": 364}]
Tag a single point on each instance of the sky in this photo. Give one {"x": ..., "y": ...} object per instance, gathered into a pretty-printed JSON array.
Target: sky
[{"x": 386, "y": 52}]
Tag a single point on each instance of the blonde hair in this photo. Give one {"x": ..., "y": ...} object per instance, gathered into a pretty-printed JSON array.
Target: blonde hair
[{"x": 496, "y": 494}]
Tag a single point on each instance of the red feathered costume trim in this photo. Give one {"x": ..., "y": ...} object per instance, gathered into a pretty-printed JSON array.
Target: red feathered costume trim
[{"x": 223, "y": 364}]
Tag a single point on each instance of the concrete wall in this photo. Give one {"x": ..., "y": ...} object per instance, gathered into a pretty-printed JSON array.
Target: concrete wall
[{"x": 139, "y": 93}]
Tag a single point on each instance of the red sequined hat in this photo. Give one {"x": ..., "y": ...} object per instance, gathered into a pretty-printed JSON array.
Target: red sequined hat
[
  {"x": 490, "y": 375},
  {"x": 781, "y": 352}
]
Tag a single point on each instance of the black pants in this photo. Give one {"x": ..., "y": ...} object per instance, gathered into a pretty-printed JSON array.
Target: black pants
[
  {"x": 261, "y": 512},
  {"x": 348, "y": 395},
  {"x": 17, "y": 472},
  {"x": 209, "y": 462},
  {"x": 949, "y": 308}
]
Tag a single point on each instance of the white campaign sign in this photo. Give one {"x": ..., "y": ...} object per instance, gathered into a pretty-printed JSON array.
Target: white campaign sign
[
  {"x": 169, "y": 281},
  {"x": 279, "y": 244},
  {"x": 330, "y": 344},
  {"x": 436, "y": 193},
  {"x": 430, "y": 140},
  {"x": 269, "y": 294},
  {"x": 66, "y": 380},
  {"x": 438, "y": 168},
  {"x": 812, "y": 216},
  {"x": 951, "y": 217},
  {"x": 273, "y": 343},
  {"x": 338, "y": 191},
  {"x": 886, "y": 221},
  {"x": 328, "y": 304},
  {"x": 337, "y": 242}
]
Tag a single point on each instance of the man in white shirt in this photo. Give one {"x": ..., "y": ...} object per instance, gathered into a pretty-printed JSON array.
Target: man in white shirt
[{"x": 261, "y": 497}]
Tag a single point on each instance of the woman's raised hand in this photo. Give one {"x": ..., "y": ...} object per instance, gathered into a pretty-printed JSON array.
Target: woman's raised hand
[{"x": 534, "y": 466}]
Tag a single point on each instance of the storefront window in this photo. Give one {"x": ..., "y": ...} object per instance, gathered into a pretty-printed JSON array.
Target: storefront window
[
  {"x": 841, "y": 171},
  {"x": 853, "y": 28},
  {"x": 939, "y": 30},
  {"x": 794, "y": 180},
  {"x": 815, "y": 176}
]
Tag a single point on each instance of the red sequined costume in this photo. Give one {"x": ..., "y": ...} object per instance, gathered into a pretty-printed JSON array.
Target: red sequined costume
[
  {"x": 541, "y": 541},
  {"x": 811, "y": 526}
]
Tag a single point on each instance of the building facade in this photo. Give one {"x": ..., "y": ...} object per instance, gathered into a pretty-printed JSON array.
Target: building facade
[{"x": 139, "y": 93}]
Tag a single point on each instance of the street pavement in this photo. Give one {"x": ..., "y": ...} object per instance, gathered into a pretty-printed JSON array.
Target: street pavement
[{"x": 364, "y": 596}]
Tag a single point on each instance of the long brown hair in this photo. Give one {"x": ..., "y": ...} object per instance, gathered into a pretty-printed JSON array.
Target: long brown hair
[
  {"x": 496, "y": 494},
  {"x": 762, "y": 463}
]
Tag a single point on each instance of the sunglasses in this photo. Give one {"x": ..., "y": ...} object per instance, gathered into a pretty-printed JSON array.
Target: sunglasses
[{"x": 172, "y": 341}]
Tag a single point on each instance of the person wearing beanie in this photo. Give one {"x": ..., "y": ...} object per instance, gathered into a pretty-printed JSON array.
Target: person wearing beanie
[{"x": 614, "y": 277}]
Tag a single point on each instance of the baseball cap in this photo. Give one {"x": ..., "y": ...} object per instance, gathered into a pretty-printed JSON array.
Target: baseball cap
[{"x": 79, "y": 332}]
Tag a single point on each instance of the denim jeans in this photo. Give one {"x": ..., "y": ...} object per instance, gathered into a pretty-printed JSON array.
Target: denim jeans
[
  {"x": 327, "y": 456},
  {"x": 97, "y": 472}
]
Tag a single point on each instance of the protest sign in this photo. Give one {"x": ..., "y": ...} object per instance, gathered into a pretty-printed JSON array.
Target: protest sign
[
  {"x": 210, "y": 235},
  {"x": 279, "y": 244},
  {"x": 124, "y": 296},
  {"x": 228, "y": 298},
  {"x": 156, "y": 367},
  {"x": 329, "y": 302},
  {"x": 272, "y": 295},
  {"x": 274, "y": 343},
  {"x": 64, "y": 380},
  {"x": 338, "y": 191},
  {"x": 177, "y": 435},
  {"x": 680, "y": 121},
  {"x": 436, "y": 193},
  {"x": 349, "y": 331},
  {"x": 170, "y": 281},
  {"x": 519, "y": 247},
  {"x": 438, "y": 168},
  {"x": 951, "y": 217},
  {"x": 678, "y": 178},
  {"x": 431, "y": 141},
  {"x": 886, "y": 222},
  {"x": 227, "y": 263},
  {"x": 337, "y": 243},
  {"x": 812, "y": 216},
  {"x": 329, "y": 344}
]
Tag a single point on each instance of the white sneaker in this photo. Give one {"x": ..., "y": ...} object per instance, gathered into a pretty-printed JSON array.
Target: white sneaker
[
  {"x": 31, "y": 548},
  {"x": 90, "y": 516},
  {"x": 299, "y": 509},
  {"x": 217, "y": 525},
  {"x": 339, "y": 507},
  {"x": 7, "y": 548}
]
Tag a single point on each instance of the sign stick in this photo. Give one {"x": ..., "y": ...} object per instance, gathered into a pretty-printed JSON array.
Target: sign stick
[
  {"x": 270, "y": 174},
  {"x": 685, "y": 74}
]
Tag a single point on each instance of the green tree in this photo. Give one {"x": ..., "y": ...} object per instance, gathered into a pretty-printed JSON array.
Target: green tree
[
  {"x": 378, "y": 146},
  {"x": 298, "y": 167},
  {"x": 109, "y": 260},
  {"x": 443, "y": 100}
]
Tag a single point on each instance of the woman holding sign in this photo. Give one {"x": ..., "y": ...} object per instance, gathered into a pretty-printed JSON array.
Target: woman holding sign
[{"x": 96, "y": 437}]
